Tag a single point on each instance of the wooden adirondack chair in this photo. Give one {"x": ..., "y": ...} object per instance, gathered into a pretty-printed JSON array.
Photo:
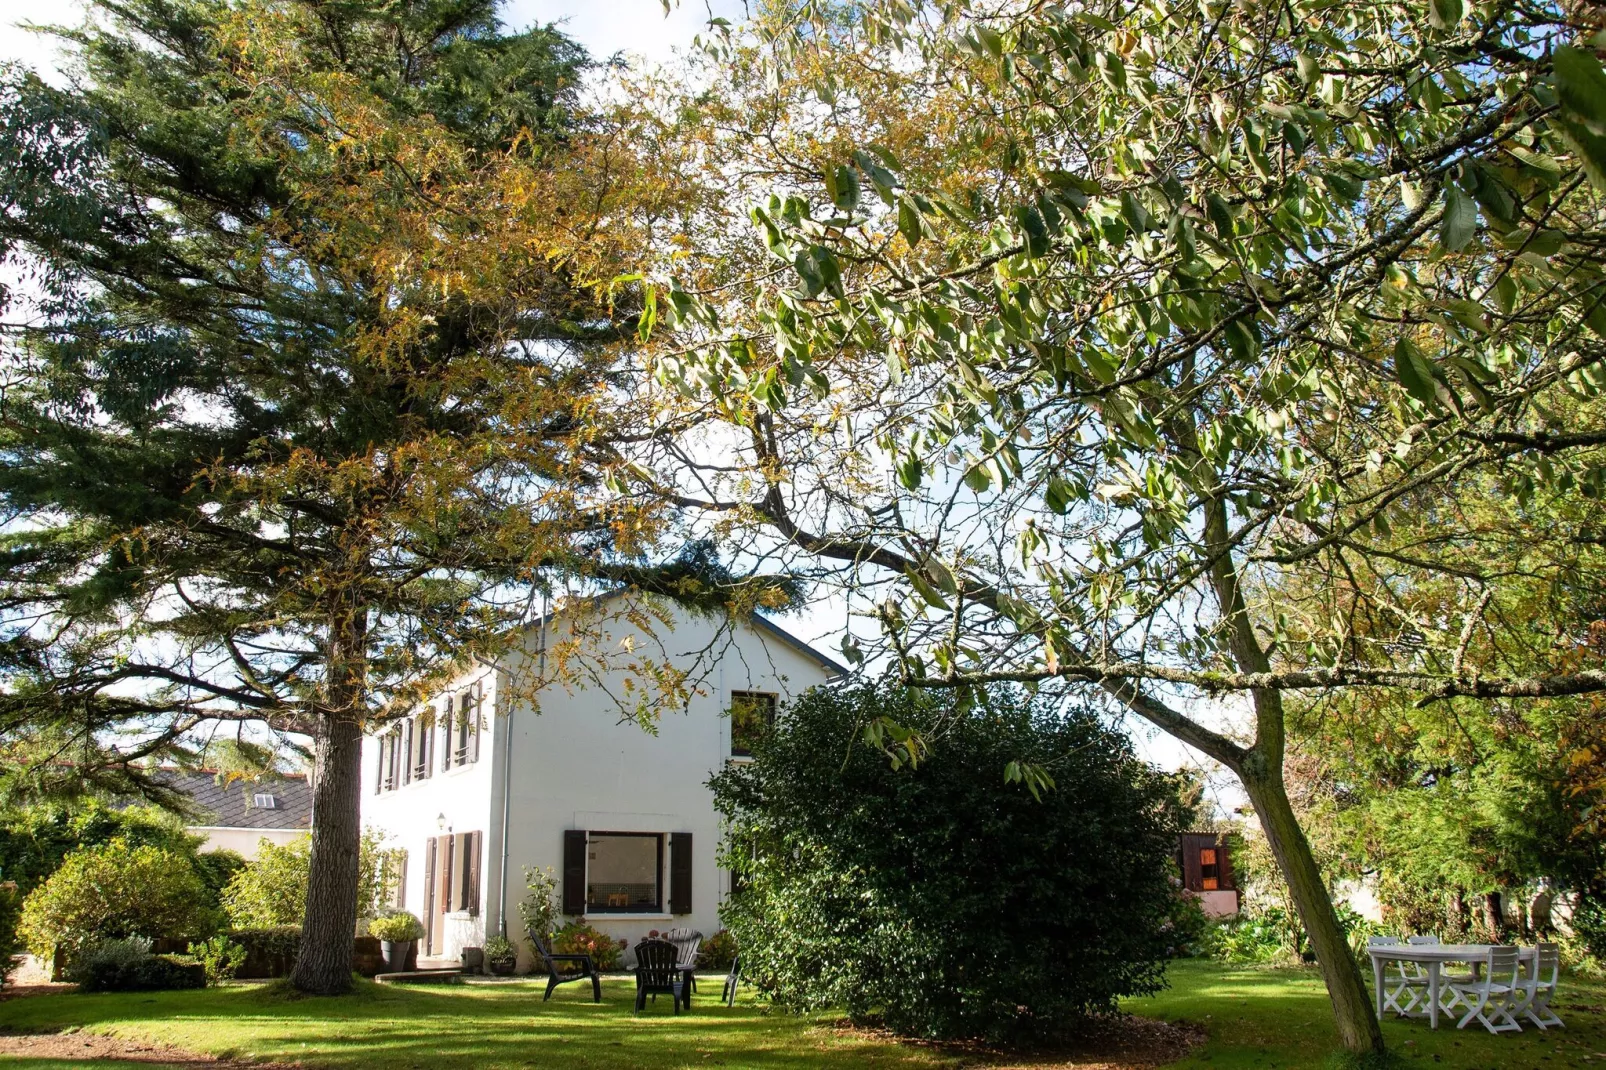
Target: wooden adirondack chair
[
  {"x": 561, "y": 969},
  {"x": 658, "y": 970}
]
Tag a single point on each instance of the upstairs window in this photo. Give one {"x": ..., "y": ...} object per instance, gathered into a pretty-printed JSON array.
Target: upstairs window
[
  {"x": 752, "y": 714},
  {"x": 460, "y": 729},
  {"x": 263, "y": 801}
]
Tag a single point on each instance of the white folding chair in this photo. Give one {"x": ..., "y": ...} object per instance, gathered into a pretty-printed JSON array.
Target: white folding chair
[
  {"x": 1447, "y": 997},
  {"x": 1403, "y": 989},
  {"x": 1539, "y": 986},
  {"x": 1493, "y": 998}
]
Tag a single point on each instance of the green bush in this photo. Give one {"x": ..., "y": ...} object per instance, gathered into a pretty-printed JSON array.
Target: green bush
[
  {"x": 718, "y": 951},
  {"x": 129, "y": 966},
  {"x": 539, "y": 907},
  {"x": 35, "y": 839},
  {"x": 10, "y": 943},
  {"x": 500, "y": 949},
  {"x": 271, "y": 889},
  {"x": 221, "y": 957},
  {"x": 937, "y": 898},
  {"x": 112, "y": 891},
  {"x": 270, "y": 952},
  {"x": 395, "y": 927},
  {"x": 579, "y": 938}
]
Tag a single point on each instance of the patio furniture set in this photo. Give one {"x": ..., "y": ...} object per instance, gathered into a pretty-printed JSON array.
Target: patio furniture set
[
  {"x": 1503, "y": 984},
  {"x": 664, "y": 965}
]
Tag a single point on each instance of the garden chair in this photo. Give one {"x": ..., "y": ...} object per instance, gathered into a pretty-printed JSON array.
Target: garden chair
[
  {"x": 687, "y": 942},
  {"x": 1493, "y": 998},
  {"x": 561, "y": 969},
  {"x": 732, "y": 979},
  {"x": 658, "y": 970},
  {"x": 1404, "y": 988},
  {"x": 1539, "y": 986},
  {"x": 1447, "y": 997}
]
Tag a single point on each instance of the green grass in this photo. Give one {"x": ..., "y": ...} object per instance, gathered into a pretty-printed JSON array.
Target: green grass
[
  {"x": 1265, "y": 1018},
  {"x": 472, "y": 1027},
  {"x": 1259, "y": 1018}
]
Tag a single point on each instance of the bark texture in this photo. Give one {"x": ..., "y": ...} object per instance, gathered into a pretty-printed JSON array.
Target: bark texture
[{"x": 329, "y": 926}]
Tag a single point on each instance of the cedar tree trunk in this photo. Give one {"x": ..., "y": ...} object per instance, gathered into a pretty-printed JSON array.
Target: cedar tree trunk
[{"x": 323, "y": 966}]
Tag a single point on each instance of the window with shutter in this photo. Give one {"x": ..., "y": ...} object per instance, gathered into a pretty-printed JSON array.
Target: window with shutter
[
  {"x": 680, "y": 873},
  {"x": 446, "y": 735},
  {"x": 574, "y": 872},
  {"x": 406, "y": 728}
]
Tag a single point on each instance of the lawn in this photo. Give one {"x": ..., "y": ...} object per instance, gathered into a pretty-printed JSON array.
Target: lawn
[{"x": 1254, "y": 1018}]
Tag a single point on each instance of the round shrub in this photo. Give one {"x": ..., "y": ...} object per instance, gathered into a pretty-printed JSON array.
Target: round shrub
[
  {"x": 271, "y": 890},
  {"x": 113, "y": 891},
  {"x": 718, "y": 951},
  {"x": 580, "y": 938},
  {"x": 937, "y": 897},
  {"x": 396, "y": 927},
  {"x": 129, "y": 966}
]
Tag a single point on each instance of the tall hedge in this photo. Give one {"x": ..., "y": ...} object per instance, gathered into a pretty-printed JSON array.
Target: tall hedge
[
  {"x": 939, "y": 899},
  {"x": 116, "y": 890}
]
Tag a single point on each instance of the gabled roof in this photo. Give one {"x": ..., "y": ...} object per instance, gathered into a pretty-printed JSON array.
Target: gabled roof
[
  {"x": 760, "y": 622},
  {"x": 245, "y": 804}
]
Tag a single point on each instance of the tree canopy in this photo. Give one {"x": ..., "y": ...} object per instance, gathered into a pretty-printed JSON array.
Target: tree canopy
[
  {"x": 320, "y": 381},
  {"x": 1082, "y": 327}
]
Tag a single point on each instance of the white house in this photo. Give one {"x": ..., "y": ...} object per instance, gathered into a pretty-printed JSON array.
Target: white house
[
  {"x": 238, "y": 815},
  {"x": 499, "y": 772}
]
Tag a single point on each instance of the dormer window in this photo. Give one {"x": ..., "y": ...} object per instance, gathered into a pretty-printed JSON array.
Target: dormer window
[{"x": 264, "y": 801}]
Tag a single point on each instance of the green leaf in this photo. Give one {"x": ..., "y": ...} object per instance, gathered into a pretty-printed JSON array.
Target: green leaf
[
  {"x": 843, "y": 185},
  {"x": 909, "y": 221},
  {"x": 991, "y": 40},
  {"x": 1460, "y": 218},
  {"x": 1414, "y": 372},
  {"x": 1591, "y": 150},
  {"x": 1309, "y": 70},
  {"x": 930, "y": 594},
  {"x": 1036, "y": 231},
  {"x": 1446, "y": 14},
  {"x": 1581, "y": 84}
]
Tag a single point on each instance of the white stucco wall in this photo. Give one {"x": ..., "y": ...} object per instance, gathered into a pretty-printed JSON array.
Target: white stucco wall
[
  {"x": 445, "y": 803},
  {"x": 243, "y": 841},
  {"x": 584, "y": 763}
]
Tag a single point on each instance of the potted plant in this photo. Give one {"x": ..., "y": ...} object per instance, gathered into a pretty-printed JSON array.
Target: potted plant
[
  {"x": 398, "y": 934},
  {"x": 501, "y": 955}
]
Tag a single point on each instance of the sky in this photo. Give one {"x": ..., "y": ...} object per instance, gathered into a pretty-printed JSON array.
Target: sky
[
  {"x": 639, "y": 28},
  {"x": 605, "y": 27}
]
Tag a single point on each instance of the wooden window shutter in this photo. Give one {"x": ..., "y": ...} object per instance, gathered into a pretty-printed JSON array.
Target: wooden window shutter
[
  {"x": 574, "y": 871},
  {"x": 474, "y": 729},
  {"x": 680, "y": 873},
  {"x": 407, "y": 751}
]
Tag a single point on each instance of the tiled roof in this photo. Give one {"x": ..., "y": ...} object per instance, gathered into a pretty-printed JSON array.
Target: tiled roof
[{"x": 244, "y": 804}]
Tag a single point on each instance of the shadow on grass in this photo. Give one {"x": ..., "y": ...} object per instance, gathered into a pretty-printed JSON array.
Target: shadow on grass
[{"x": 483, "y": 1026}]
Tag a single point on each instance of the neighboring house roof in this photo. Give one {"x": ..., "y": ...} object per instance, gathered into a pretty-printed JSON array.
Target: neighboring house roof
[
  {"x": 759, "y": 621},
  {"x": 281, "y": 803}
]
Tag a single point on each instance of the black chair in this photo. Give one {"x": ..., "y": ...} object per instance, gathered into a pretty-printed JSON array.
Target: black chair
[
  {"x": 658, "y": 970},
  {"x": 561, "y": 969},
  {"x": 732, "y": 979},
  {"x": 687, "y": 942}
]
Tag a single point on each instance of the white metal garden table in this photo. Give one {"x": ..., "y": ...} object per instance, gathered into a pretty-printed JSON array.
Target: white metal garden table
[{"x": 1433, "y": 957}]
